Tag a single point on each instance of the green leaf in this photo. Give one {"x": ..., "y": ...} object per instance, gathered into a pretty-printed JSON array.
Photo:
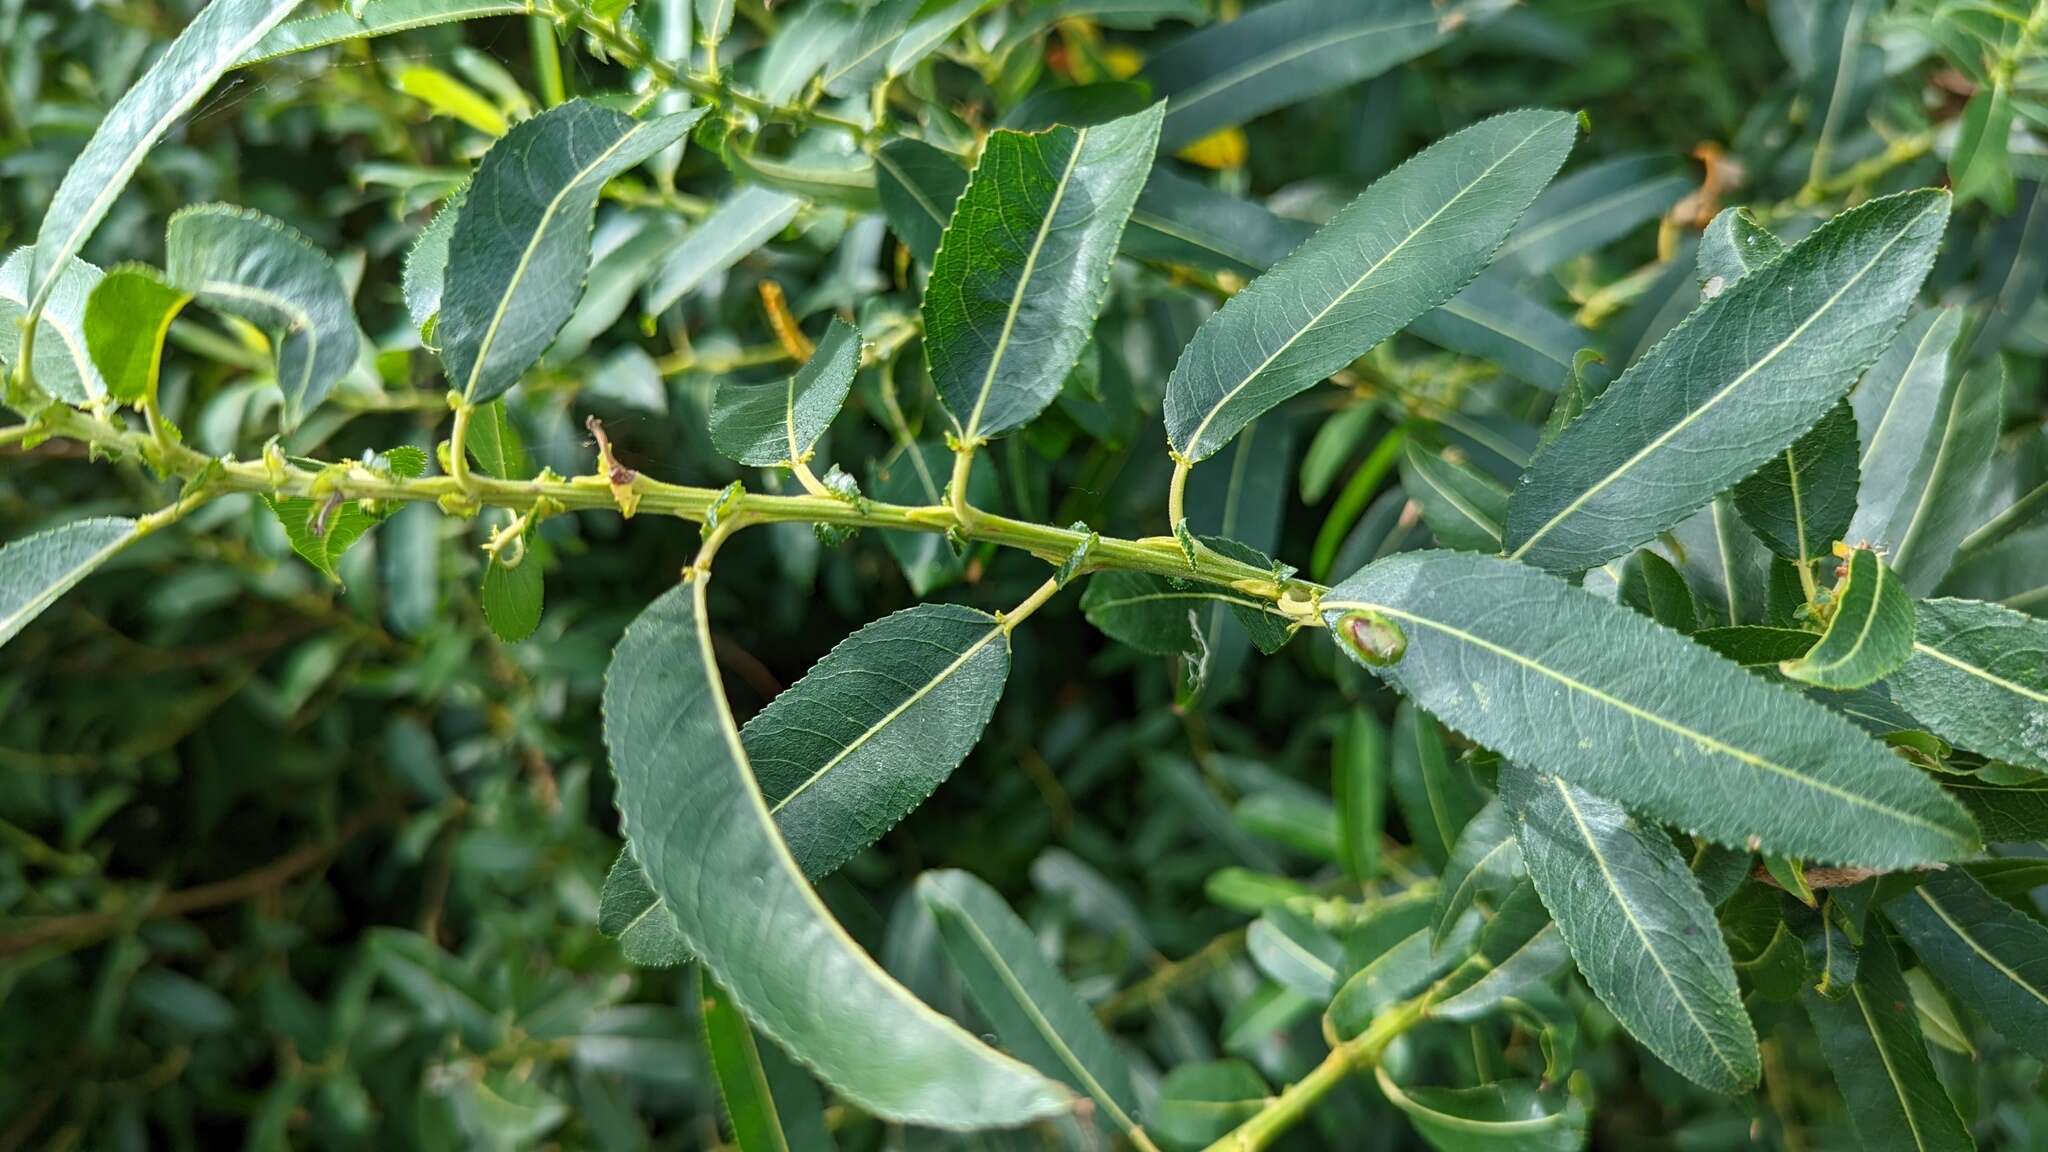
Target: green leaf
[
  {"x": 1569, "y": 684},
  {"x": 494, "y": 443},
  {"x": 1757, "y": 645},
  {"x": 1487, "y": 860},
  {"x": 209, "y": 46},
  {"x": 736, "y": 229},
  {"x": 1157, "y": 614},
  {"x": 1680, "y": 426},
  {"x": 1991, "y": 955},
  {"x": 631, "y": 912},
  {"x": 2008, "y": 813},
  {"x": 126, "y": 321},
  {"x": 1651, "y": 586},
  {"x": 918, "y": 186},
  {"x": 1733, "y": 246},
  {"x": 371, "y": 18},
  {"x": 1304, "y": 822},
  {"x": 521, "y": 244},
  {"x": 1358, "y": 769},
  {"x": 321, "y": 528},
  {"x": 1980, "y": 168},
  {"x": 1869, "y": 637},
  {"x": 1281, "y": 53},
  {"x": 863, "y": 57},
  {"x": 823, "y": 168},
  {"x": 35, "y": 570},
  {"x": 699, "y": 826},
  {"x": 512, "y": 597},
  {"x": 1402, "y": 970},
  {"x": 1019, "y": 991},
  {"x": 777, "y": 425},
  {"x": 1505, "y": 1116},
  {"x": 1463, "y": 507},
  {"x": 1802, "y": 499},
  {"x": 1435, "y": 793},
  {"x": 1872, "y": 1043},
  {"x": 1899, "y": 406},
  {"x": 1519, "y": 950},
  {"x": 1186, "y": 222},
  {"x": 1979, "y": 678},
  {"x": 1404, "y": 246},
  {"x": 917, "y": 475},
  {"x": 1496, "y": 322},
  {"x": 1023, "y": 269},
  {"x": 1297, "y": 954},
  {"x": 1200, "y": 1103},
  {"x": 246, "y": 264},
  {"x": 1593, "y": 207},
  {"x": 425, "y": 277},
  {"x": 63, "y": 363},
  {"x": 1638, "y": 927},
  {"x": 771, "y": 1106},
  {"x": 1237, "y": 509},
  {"x": 1941, "y": 496}
]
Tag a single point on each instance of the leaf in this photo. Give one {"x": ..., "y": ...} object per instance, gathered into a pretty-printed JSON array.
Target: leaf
[
  {"x": 823, "y": 168},
  {"x": 1156, "y": 614},
  {"x": 1297, "y": 954},
  {"x": 777, "y": 425},
  {"x": 1802, "y": 499},
  {"x": 372, "y": 18},
  {"x": 446, "y": 96},
  {"x": 1756, "y": 645},
  {"x": 36, "y": 570},
  {"x": 1869, "y": 637},
  {"x": 1202, "y": 1102},
  {"x": 126, "y": 321},
  {"x": 1873, "y": 1045},
  {"x": 1359, "y": 784},
  {"x": 918, "y": 186},
  {"x": 1282, "y": 53},
  {"x": 863, "y": 57},
  {"x": 1519, "y": 950},
  {"x": 1593, "y": 207},
  {"x": 1486, "y": 860},
  {"x": 512, "y": 597},
  {"x": 1186, "y": 222},
  {"x": 1638, "y": 927},
  {"x": 320, "y": 529},
  {"x": 1569, "y": 684},
  {"x": 1023, "y": 269},
  {"x": 209, "y": 46},
  {"x": 1680, "y": 426},
  {"x": 770, "y": 1106},
  {"x": 1979, "y": 678},
  {"x": 521, "y": 244},
  {"x": 699, "y": 826},
  {"x": 918, "y": 476},
  {"x": 426, "y": 265},
  {"x": 63, "y": 364},
  {"x": 1463, "y": 507},
  {"x": 1496, "y": 322},
  {"x": 1980, "y": 168},
  {"x": 1941, "y": 496},
  {"x": 2008, "y": 813},
  {"x": 1304, "y": 822},
  {"x": 1404, "y": 246},
  {"x": 1436, "y": 796},
  {"x": 1899, "y": 406},
  {"x": 1504, "y": 1116},
  {"x": 494, "y": 443},
  {"x": 248, "y": 265},
  {"x": 738, "y": 227},
  {"x": 1991, "y": 955},
  {"x": 934, "y": 24},
  {"x": 1403, "y": 969},
  {"x": 1651, "y": 586},
  {"x": 1237, "y": 509},
  {"x": 1023, "y": 995},
  {"x": 631, "y": 912}
]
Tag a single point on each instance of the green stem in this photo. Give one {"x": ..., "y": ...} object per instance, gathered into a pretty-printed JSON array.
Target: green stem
[
  {"x": 458, "y": 447},
  {"x": 1293, "y": 1104},
  {"x": 547, "y": 59}
]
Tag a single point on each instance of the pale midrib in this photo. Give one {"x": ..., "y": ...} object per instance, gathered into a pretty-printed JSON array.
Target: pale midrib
[
  {"x": 1980, "y": 673},
  {"x": 859, "y": 742},
  {"x": 1543, "y": 230},
  {"x": 1863, "y": 633},
  {"x": 910, "y": 186},
  {"x": 547, "y": 217},
  {"x": 1052, "y": 1037},
  {"x": 302, "y": 320},
  {"x": 1002, "y": 348},
  {"x": 1884, "y": 1057},
  {"x": 1456, "y": 307},
  {"x": 97, "y": 206},
  {"x": 1195, "y": 440},
  {"x": 1706, "y": 741},
  {"x": 1304, "y": 957},
  {"x": 1727, "y": 564},
  {"x": 1798, "y": 505},
  {"x": 1970, "y": 940},
  {"x": 1150, "y": 597},
  {"x": 1714, "y": 401},
  {"x": 1166, "y": 227},
  {"x": 1222, "y": 82},
  {"x": 1471, "y": 878},
  {"x": 1465, "y": 507},
  {"x": 1642, "y": 934},
  {"x": 1845, "y": 69},
  {"x": 1950, "y": 429}
]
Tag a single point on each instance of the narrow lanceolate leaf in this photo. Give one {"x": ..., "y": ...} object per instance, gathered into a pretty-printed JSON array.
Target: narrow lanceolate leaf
[
  {"x": 1942, "y": 494},
  {"x": 1023, "y": 269},
  {"x": 1594, "y": 206},
  {"x": 1569, "y": 684},
  {"x": 1740, "y": 379},
  {"x": 126, "y": 321},
  {"x": 1019, "y": 991},
  {"x": 736, "y": 229},
  {"x": 1156, "y": 614},
  {"x": 246, "y": 264},
  {"x": 1281, "y": 53},
  {"x": 1497, "y": 322},
  {"x": 629, "y": 911},
  {"x": 1979, "y": 679},
  {"x": 426, "y": 264},
  {"x": 1406, "y": 245},
  {"x": 1733, "y": 246},
  {"x": 1642, "y": 934},
  {"x": 1486, "y": 861},
  {"x": 1436, "y": 793},
  {"x": 1200, "y": 1103},
  {"x": 209, "y": 46},
  {"x": 766, "y": 425},
  {"x": 1803, "y": 498},
  {"x": 1358, "y": 785},
  {"x": 1504, "y": 1116},
  {"x": 769, "y": 1105},
  {"x": 521, "y": 244},
  {"x": 37, "y": 569},
  {"x": 1870, "y": 635},
  {"x": 1651, "y": 586},
  {"x": 1519, "y": 949},
  {"x": 2008, "y": 813},
  {"x": 373, "y": 18},
  {"x": 1463, "y": 507},
  {"x": 1873, "y": 1044},
  {"x": 918, "y": 186},
  {"x": 1991, "y": 955},
  {"x": 1183, "y": 221},
  {"x": 1899, "y": 404},
  {"x": 1296, "y": 953},
  {"x": 700, "y": 827},
  {"x": 63, "y": 366}
]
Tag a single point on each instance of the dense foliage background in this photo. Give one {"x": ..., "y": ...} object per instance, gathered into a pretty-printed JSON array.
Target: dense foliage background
[{"x": 297, "y": 861}]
